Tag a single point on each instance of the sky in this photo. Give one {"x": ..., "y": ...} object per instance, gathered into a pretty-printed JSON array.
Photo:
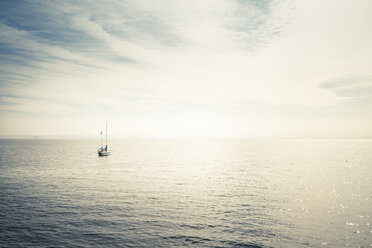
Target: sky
[{"x": 186, "y": 68}]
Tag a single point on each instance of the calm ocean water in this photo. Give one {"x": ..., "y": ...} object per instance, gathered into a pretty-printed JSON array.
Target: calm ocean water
[{"x": 216, "y": 193}]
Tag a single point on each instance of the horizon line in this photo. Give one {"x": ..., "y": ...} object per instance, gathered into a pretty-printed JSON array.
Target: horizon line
[{"x": 120, "y": 137}]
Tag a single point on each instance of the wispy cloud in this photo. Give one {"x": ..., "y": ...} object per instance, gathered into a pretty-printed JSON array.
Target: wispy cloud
[
  {"x": 359, "y": 87},
  {"x": 144, "y": 62},
  {"x": 16, "y": 104}
]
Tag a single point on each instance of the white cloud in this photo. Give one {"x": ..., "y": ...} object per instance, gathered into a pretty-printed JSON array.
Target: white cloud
[
  {"x": 147, "y": 63},
  {"x": 33, "y": 106}
]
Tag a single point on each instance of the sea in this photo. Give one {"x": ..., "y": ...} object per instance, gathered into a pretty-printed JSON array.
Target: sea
[{"x": 186, "y": 193}]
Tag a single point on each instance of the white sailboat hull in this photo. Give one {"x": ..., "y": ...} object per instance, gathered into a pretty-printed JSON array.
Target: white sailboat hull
[{"x": 103, "y": 153}]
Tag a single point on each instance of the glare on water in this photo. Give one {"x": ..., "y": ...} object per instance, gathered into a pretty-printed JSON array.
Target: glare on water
[{"x": 258, "y": 193}]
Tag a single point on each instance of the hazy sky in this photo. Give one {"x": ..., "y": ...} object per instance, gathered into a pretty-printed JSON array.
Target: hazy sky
[{"x": 186, "y": 68}]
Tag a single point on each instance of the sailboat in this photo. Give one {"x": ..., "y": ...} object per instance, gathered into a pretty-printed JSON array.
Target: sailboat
[{"x": 103, "y": 151}]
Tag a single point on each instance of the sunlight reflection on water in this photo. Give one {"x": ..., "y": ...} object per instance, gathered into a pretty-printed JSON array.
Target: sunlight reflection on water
[{"x": 258, "y": 193}]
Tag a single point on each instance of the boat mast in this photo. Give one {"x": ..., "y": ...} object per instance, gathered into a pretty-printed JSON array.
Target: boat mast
[{"x": 106, "y": 133}]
